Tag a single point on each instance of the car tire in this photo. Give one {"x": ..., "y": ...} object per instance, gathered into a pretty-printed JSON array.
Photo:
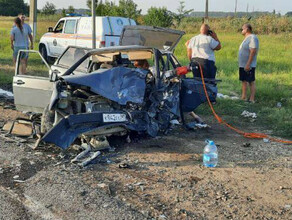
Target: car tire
[
  {"x": 44, "y": 53},
  {"x": 47, "y": 120}
]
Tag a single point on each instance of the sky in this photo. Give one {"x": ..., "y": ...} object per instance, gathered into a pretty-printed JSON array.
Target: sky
[{"x": 281, "y": 6}]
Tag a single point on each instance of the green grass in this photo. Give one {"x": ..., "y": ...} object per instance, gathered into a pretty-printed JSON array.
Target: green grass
[
  {"x": 273, "y": 81},
  {"x": 6, "y": 63},
  {"x": 273, "y": 77}
]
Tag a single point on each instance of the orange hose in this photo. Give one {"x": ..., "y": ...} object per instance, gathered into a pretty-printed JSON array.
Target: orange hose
[{"x": 221, "y": 121}]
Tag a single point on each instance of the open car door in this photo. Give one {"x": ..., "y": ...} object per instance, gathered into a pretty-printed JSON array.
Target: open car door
[
  {"x": 156, "y": 37},
  {"x": 32, "y": 87}
]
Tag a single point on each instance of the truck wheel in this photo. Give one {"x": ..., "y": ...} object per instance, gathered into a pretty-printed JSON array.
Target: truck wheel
[{"x": 47, "y": 120}]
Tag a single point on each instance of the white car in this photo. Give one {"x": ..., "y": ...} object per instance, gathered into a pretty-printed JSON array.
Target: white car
[{"x": 77, "y": 31}]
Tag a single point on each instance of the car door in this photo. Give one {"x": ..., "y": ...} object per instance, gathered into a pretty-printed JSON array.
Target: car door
[
  {"x": 32, "y": 87},
  {"x": 56, "y": 41},
  {"x": 69, "y": 35}
]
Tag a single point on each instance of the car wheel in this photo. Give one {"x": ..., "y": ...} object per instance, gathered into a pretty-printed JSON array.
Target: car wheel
[
  {"x": 47, "y": 120},
  {"x": 43, "y": 52}
]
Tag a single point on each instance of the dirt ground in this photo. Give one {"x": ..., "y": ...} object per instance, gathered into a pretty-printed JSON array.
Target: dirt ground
[{"x": 164, "y": 179}]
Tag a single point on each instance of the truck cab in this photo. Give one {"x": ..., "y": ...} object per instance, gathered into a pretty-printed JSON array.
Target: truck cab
[{"x": 77, "y": 31}]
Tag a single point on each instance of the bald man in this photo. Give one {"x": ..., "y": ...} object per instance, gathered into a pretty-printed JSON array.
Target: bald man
[
  {"x": 247, "y": 58},
  {"x": 200, "y": 49}
]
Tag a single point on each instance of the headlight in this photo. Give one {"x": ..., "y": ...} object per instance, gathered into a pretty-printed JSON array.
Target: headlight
[{"x": 63, "y": 100}]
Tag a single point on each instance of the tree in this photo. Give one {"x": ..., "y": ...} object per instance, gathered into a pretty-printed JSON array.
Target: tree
[
  {"x": 71, "y": 10},
  {"x": 49, "y": 9},
  {"x": 181, "y": 13},
  {"x": 13, "y": 7},
  {"x": 289, "y": 14},
  {"x": 129, "y": 9},
  {"x": 63, "y": 12},
  {"x": 99, "y": 7},
  {"x": 160, "y": 17},
  {"x": 126, "y": 8}
]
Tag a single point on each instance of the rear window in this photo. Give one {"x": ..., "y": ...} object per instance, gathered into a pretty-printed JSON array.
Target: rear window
[{"x": 70, "y": 27}]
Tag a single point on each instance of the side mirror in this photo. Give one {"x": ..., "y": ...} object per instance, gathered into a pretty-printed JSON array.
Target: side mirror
[
  {"x": 50, "y": 29},
  {"x": 54, "y": 75}
]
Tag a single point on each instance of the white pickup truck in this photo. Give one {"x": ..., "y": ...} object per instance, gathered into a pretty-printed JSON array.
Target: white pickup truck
[{"x": 77, "y": 31}]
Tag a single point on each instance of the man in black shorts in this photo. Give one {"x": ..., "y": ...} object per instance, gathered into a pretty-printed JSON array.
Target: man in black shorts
[{"x": 247, "y": 59}]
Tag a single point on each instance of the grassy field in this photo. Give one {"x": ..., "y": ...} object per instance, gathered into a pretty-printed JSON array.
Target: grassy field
[
  {"x": 274, "y": 77},
  {"x": 273, "y": 81}
]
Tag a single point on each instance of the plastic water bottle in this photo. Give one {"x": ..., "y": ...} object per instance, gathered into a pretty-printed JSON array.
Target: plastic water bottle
[{"x": 210, "y": 157}]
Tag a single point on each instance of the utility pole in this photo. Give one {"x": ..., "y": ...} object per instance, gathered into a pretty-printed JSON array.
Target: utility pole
[
  {"x": 235, "y": 10},
  {"x": 207, "y": 10},
  {"x": 93, "y": 7},
  {"x": 33, "y": 17},
  {"x": 247, "y": 8}
]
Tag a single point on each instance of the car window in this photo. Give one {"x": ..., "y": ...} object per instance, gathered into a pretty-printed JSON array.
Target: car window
[
  {"x": 59, "y": 27},
  {"x": 70, "y": 27},
  {"x": 35, "y": 65},
  {"x": 71, "y": 56},
  {"x": 169, "y": 65}
]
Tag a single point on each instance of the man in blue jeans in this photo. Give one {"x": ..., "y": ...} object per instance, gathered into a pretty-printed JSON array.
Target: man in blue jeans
[{"x": 247, "y": 59}]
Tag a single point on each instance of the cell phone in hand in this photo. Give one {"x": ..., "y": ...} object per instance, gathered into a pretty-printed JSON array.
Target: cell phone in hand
[{"x": 210, "y": 32}]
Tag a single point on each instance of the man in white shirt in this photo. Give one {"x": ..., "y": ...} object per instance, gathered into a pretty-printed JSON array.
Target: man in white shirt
[
  {"x": 201, "y": 50},
  {"x": 247, "y": 59}
]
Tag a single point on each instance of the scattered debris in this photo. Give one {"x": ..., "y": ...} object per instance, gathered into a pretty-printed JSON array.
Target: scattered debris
[
  {"x": 221, "y": 96},
  {"x": 102, "y": 185},
  {"x": 195, "y": 125},
  {"x": 266, "y": 140},
  {"x": 246, "y": 145},
  {"x": 21, "y": 127},
  {"x": 279, "y": 105},
  {"x": 248, "y": 114},
  {"x": 90, "y": 159},
  {"x": 6, "y": 94},
  {"x": 99, "y": 144},
  {"x": 124, "y": 166},
  {"x": 19, "y": 181},
  {"x": 86, "y": 150}
]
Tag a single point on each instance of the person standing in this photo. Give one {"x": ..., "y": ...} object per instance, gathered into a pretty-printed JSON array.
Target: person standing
[
  {"x": 247, "y": 59},
  {"x": 19, "y": 41},
  {"x": 200, "y": 50}
]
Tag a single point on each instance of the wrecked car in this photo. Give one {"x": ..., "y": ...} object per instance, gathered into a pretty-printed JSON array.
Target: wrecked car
[{"x": 98, "y": 93}]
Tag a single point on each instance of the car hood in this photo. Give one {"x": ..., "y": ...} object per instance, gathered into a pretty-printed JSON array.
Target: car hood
[
  {"x": 156, "y": 37},
  {"x": 119, "y": 84}
]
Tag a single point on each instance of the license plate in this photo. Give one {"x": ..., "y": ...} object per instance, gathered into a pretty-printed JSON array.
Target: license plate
[{"x": 114, "y": 118}]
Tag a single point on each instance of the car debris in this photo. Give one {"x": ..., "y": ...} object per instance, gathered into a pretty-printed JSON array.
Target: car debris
[
  {"x": 19, "y": 127},
  {"x": 6, "y": 94},
  {"x": 86, "y": 156},
  {"x": 248, "y": 114},
  {"x": 103, "y": 94}
]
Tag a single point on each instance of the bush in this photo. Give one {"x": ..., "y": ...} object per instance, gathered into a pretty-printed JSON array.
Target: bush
[
  {"x": 266, "y": 24},
  {"x": 159, "y": 17}
]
